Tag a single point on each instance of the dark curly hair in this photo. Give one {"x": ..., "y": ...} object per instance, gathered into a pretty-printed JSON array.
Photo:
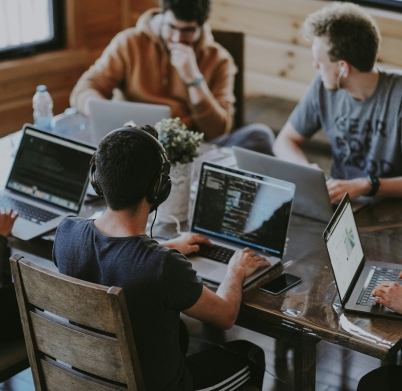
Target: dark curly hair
[
  {"x": 188, "y": 10},
  {"x": 126, "y": 164},
  {"x": 353, "y": 35}
]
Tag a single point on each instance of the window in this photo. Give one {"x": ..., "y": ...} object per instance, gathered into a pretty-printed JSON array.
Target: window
[{"x": 30, "y": 26}]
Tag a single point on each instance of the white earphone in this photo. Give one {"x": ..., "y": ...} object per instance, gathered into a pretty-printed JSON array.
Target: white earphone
[
  {"x": 338, "y": 80},
  {"x": 342, "y": 71}
]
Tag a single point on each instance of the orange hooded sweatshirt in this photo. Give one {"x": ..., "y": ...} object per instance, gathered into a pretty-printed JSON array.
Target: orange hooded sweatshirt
[{"x": 137, "y": 62}]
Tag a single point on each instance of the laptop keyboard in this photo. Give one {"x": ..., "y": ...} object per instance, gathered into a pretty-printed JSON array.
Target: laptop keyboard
[
  {"x": 27, "y": 211},
  {"x": 216, "y": 253},
  {"x": 380, "y": 274}
]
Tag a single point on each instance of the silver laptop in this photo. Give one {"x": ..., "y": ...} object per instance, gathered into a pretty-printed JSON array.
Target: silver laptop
[
  {"x": 47, "y": 181},
  {"x": 311, "y": 197},
  {"x": 237, "y": 209},
  {"x": 354, "y": 276},
  {"x": 107, "y": 115}
]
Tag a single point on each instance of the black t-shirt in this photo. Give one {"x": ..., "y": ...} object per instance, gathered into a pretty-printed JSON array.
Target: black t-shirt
[{"x": 158, "y": 284}]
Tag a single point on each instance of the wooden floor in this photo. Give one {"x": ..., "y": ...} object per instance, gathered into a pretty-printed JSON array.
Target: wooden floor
[{"x": 338, "y": 369}]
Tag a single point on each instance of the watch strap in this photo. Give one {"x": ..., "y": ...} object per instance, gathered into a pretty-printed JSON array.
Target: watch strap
[
  {"x": 375, "y": 184},
  {"x": 196, "y": 82}
]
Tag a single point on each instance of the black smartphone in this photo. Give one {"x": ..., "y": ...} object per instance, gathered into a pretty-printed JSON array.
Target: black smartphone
[{"x": 280, "y": 284}]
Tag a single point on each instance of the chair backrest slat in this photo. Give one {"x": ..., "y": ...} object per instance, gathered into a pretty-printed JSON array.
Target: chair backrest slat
[
  {"x": 85, "y": 326},
  {"x": 54, "y": 376},
  {"x": 83, "y": 352},
  {"x": 60, "y": 297}
]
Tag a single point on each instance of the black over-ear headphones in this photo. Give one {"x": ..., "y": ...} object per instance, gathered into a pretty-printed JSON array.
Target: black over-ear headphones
[{"x": 160, "y": 186}]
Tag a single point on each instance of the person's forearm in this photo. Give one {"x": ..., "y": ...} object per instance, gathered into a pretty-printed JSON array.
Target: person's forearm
[
  {"x": 210, "y": 117},
  {"x": 287, "y": 150},
  {"x": 390, "y": 187},
  {"x": 231, "y": 290}
]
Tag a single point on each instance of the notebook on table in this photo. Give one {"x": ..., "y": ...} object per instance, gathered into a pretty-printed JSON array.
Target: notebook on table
[
  {"x": 237, "y": 209},
  {"x": 107, "y": 115},
  {"x": 47, "y": 181},
  {"x": 354, "y": 276}
]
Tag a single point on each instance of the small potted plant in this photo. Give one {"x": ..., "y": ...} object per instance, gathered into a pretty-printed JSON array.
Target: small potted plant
[{"x": 182, "y": 147}]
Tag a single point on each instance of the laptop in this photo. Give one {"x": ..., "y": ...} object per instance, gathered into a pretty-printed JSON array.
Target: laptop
[
  {"x": 311, "y": 197},
  {"x": 354, "y": 276},
  {"x": 107, "y": 115},
  {"x": 47, "y": 181},
  {"x": 237, "y": 209}
]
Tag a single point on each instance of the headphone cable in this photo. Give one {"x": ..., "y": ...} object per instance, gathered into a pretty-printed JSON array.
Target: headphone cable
[{"x": 153, "y": 222}]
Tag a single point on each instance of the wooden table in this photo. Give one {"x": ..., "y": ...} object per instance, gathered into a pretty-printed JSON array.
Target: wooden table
[{"x": 311, "y": 311}]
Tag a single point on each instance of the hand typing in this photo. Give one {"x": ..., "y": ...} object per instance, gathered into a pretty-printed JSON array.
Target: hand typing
[
  {"x": 389, "y": 294},
  {"x": 187, "y": 243},
  {"x": 7, "y": 219},
  {"x": 248, "y": 260}
]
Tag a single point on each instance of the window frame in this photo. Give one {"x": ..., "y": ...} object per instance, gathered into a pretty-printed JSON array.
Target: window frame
[{"x": 56, "y": 43}]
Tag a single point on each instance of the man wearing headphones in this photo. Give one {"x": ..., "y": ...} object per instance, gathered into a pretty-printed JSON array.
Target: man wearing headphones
[
  {"x": 357, "y": 105},
  {"x": 131, "y": 170}
]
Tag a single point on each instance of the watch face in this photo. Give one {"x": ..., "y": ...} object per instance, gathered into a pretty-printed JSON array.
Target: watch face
[{"x": 198, "y": 81}]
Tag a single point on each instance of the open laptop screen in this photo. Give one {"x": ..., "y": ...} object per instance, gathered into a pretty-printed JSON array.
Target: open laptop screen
[
  {"x": 242, "y": 207},
  {"x": 51, "y": 169},
  {"x": 344, "y": 246}
]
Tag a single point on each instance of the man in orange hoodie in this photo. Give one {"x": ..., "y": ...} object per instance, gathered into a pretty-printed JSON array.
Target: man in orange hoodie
[{"x": 171, "y": 58}]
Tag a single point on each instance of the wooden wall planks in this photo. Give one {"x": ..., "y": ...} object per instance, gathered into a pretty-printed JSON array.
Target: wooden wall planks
[{"x": 278, "y": 59}]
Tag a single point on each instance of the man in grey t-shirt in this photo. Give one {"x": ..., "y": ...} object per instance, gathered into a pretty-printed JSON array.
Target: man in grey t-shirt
[{"x": 357, "y": 106}]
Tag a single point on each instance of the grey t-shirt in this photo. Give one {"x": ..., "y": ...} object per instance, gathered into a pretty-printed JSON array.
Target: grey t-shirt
[{"x": 365, "y": 136}]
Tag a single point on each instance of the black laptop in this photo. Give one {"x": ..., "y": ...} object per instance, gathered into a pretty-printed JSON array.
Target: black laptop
[{"x": 237, "y": 209}]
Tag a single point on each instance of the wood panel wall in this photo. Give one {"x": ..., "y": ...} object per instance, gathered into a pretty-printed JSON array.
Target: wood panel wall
[{"x": 278, "y": 60}]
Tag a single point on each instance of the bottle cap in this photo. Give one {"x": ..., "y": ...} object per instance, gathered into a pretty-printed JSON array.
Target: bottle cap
[{"x": 41, "y": 88}]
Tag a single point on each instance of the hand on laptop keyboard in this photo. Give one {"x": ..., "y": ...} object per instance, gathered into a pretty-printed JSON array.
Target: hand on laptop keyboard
[
  {"x": 7, "y": 219},
  {"x": 389, "y": 294},
  {"x": 188, "y": 243},
  {"x": 249, "y": 260}
]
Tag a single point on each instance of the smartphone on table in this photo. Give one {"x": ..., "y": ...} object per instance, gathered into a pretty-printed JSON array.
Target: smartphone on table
[{"x": 280, "y": 284}]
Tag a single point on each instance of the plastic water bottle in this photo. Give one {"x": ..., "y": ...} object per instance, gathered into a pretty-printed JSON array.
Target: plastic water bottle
[{"x": 42, "y": 104}]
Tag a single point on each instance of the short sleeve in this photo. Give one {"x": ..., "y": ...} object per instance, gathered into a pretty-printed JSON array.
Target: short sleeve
[
  {"x": 181, "y": 287},
  {"x": 305, "y": 118}
]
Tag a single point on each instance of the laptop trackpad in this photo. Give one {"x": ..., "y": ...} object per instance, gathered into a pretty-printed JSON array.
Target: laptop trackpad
[{"x": 205, "y": 267}]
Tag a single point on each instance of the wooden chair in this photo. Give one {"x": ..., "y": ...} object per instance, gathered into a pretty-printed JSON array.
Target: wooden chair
[
  {"x": 233, "y": 42},
  {"x": 96, "y": 351}
]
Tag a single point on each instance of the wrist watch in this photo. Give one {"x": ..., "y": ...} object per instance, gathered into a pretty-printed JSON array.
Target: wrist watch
[
  {"x": 196, "y": 82},
  {"x": 375, "y": 184}
]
